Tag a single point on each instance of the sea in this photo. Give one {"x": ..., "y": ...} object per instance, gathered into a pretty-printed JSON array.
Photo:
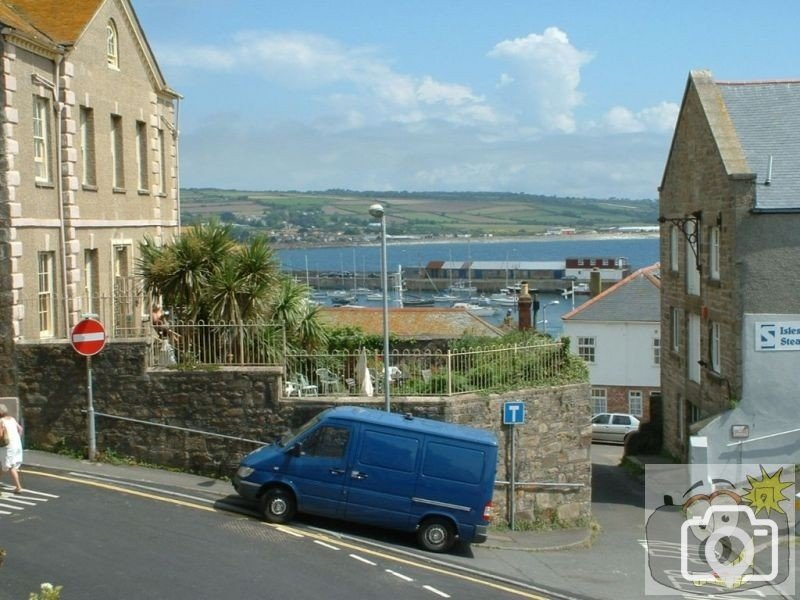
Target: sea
[{"x": 641, "y": 251}]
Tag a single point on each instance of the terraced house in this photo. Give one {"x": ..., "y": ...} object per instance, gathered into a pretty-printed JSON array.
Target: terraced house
[{"x": 89, "y": 166}]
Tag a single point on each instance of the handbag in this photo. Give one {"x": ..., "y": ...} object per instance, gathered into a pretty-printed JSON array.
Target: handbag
[{"x": 3, "y": 436}]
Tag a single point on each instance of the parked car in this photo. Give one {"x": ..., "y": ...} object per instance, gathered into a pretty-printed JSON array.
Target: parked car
[
  {"x": 613, "y": 427},
  {"x": 379, "y": 468}
]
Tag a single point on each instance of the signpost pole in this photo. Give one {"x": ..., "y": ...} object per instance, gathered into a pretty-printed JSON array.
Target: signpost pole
[
  {"x": 92, "y": 441},
  {"x": 512, "y": 485}
]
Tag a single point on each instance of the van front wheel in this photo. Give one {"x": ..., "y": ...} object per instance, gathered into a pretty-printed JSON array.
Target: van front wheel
[
  {"x": 436, "y": 535},
  {"x": 278, "y": 506}
]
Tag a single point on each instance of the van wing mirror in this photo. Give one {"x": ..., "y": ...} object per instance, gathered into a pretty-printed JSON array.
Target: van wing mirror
[{"x": 296, "y": 449}]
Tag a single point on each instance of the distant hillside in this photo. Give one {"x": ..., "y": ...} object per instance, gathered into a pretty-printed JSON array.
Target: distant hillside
[{"x": 298, "y": 215}]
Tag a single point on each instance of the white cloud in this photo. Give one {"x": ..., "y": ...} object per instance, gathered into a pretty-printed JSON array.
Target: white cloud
[
  {"x": 549, "y": 67},
  {"x": 660, "y": 118}
]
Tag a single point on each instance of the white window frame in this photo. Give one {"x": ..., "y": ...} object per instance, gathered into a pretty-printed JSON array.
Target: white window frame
[
  {"x": 112, "y": 45},
  {"x": 714, "y": 347},
  {"x": 587, "y": 349},
  {"x": 677, "y": 326},
  {"x": 692, "y": 272},
  {"x": 162, "y": 162},
  {"x": 88, "y": 165},
  {"x": 599, "y": 400},
  {"x": 117, "y": 154},
  {"x": 46, "y": 295},
  {"x": 693, "y": 347},
  {"x": 674, "y": 263},
  {"x": 713, "y": 256},
  {"x": 635, "y": 403},
  {"x": 41, "y": 139},
  {"x": 91, "y": 274},
  {"x": 141, "y": 156}
]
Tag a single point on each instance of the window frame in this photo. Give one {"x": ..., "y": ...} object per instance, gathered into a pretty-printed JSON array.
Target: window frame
[
  {"x": 635, "y": 396},
  {"x": 676, "y": 328},
  {"x": 42, "y": 150},
  {"x": 674, "y": 253},
  {"x": 87, "y": 147},
  {"x": 657, "y": 350},
  {"x": 143, "y": 180},
  {"x": 713, "y": 253},
  {"x": 46, "y": 275},
  {"x": 714, "y": 348},
  {"x": 599, "y": 397},
  {"x": 112, "y": 45},
  {"x": 587, "y": 349},
  {"x": 117, "y": 154}
]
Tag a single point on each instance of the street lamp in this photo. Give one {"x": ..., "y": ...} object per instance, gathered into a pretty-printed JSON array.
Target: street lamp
[
  {"x": 544, "y": 314},
  {"x": 377, "y": 211}
]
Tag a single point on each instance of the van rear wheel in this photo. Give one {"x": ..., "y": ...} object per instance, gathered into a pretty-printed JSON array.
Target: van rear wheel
[
  {"x": 278, "y": 505},
  {"x": 436, "y": 535}
]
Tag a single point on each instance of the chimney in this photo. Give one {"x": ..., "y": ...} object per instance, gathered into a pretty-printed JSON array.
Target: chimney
[
  {"x": 595, "y": 283},
  {"x": 524, "y": 304}
]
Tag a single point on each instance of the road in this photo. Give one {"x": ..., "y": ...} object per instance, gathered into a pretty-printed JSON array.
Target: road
[{"x": 104, "y": 539}]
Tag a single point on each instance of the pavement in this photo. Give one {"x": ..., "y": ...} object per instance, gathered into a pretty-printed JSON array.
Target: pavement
[{"x": 541, "y": 560}]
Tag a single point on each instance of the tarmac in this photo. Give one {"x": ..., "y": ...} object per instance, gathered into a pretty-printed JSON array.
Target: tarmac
[{"x": 545, "y": 563}]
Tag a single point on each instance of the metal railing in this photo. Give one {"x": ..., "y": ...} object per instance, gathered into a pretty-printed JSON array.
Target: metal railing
[{"x": 426, "y": 373}]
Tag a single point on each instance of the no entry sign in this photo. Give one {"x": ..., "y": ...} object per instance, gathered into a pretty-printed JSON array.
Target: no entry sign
[{"x": 88, "y": 337}]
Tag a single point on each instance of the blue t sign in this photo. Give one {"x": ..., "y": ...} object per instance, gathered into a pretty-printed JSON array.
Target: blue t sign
[{"x": 513, "y": 413}]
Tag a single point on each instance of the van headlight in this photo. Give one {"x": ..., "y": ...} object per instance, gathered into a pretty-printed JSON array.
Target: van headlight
[{"x": 244, "y": 472}]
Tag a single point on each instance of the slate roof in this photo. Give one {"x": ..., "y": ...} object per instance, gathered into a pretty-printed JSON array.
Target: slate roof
[
  {"x": 766, "y": 116},
  {"x": 417, "y": 323},
  {"x": 635, "y": 298},
  {"x": 49, "y": 18}
]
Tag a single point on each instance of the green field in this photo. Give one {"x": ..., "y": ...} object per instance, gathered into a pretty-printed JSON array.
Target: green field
[{"x": 419, "y": 213}]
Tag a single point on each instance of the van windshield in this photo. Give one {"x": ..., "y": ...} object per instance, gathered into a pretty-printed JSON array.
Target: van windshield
[{"x": 286, "y": 439}]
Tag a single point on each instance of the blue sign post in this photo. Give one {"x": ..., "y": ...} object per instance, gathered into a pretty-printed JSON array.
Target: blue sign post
[{"x": 513, "y": 414}]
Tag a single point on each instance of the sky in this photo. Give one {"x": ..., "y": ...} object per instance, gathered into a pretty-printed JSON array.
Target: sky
[{"x": 564, "y": 98}]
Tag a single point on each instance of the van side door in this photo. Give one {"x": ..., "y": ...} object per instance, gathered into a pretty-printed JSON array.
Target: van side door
[
  {"x": 318, "y": 472},
  {"x": 383, "y": 476}
]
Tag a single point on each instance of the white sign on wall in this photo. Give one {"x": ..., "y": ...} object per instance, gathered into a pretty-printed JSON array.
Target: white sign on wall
[{"x": 778, "y": 335}]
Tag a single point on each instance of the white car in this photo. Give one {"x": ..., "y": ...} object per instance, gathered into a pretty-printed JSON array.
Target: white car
[{"x": 613, "y": 427}]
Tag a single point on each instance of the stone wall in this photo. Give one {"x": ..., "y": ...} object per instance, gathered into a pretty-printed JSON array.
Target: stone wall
[{"x": 553, "y": 463}]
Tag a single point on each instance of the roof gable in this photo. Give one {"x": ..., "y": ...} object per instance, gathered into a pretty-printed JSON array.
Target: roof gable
[{"x": 635, "y": 298}]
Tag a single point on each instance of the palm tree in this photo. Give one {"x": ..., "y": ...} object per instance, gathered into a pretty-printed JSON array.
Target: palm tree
[{"x": 208, "y": 276}]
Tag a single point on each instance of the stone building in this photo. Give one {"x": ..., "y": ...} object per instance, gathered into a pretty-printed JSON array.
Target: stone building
[
  {"x": 89, "y": 167},
  {"x": 730, "y": 234}
]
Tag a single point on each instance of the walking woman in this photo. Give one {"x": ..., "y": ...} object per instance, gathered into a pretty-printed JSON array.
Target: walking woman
[{"x": 11, "y": 454}]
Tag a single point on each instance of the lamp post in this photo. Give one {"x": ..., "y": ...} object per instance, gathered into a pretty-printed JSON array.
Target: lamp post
[
  {"x": 377, "y": 212},
  {"x": 544, "y": 314}
]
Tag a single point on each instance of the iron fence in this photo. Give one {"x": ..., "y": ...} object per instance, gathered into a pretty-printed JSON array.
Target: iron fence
[{"x": 423, "y": 373}]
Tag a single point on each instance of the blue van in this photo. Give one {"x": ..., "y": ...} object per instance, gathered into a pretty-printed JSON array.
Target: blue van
[{"x": 379, "y": 468}]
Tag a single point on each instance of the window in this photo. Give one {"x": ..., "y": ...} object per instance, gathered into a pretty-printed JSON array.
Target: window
[
  {"x": 91, "y": 280},
  {"x": 116, "y": 153},
  {"x": 692, "y": 272},
  {"x": 635, "y": 402},
  {"x": 162, "y": 163},
  {"x": 88, "y": 173},
  {"x": 714, "y": 347},
  {"x": 601, "y": 419},
  {"x": 395, "y": 452},
  {"x": 693, "y": 347},
  {"x": 599, "y": 400},
  {"x": 673, "y": 248},
  {"x": 141, "y": 154},
  {"x": 112, "y": 45},
  {"x": 713, "y": 248},
  {"x": 675, "y": 319},
  {"x": 454, "y": 463},
  {"x": 586, "y": 349},
  {"x": 46, "y": 297},
  {"x": 656, "y": 351},
  {"x": 41, "y": 139},
  {"x": 621, "y": 420},
  {"x": 327, "y": 442}
]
